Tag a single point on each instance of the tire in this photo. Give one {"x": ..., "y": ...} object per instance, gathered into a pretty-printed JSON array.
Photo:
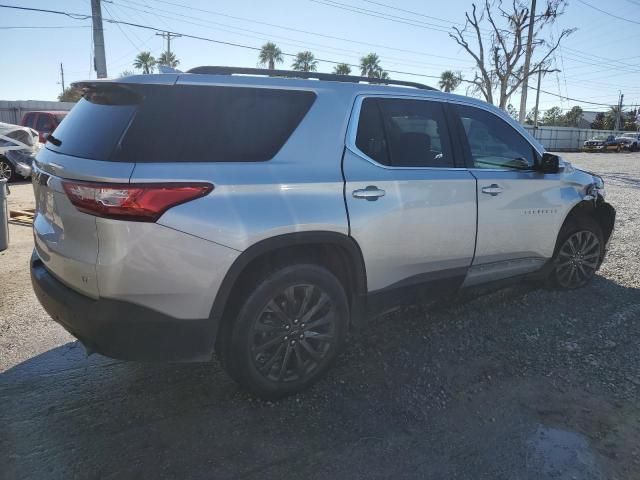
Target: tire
[
  {"x": 579, "y": 252},
  {"x": 287, "y": 333},
  {"x": 6, "y": 170}
]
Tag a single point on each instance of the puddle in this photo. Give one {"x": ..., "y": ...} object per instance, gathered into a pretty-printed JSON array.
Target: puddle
[{"x": 562, "y": 454}]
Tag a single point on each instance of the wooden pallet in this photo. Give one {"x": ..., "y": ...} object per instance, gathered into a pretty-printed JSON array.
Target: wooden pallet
[{"x": 22, "y": 217}]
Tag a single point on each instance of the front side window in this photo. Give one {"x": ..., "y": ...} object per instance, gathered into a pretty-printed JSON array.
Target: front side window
[
  {"x": 494, "y": 143},
  {"x": 404, "y": 133}
]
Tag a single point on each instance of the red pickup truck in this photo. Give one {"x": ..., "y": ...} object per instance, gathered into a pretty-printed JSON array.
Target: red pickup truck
[{"x": 43, "y": 122}]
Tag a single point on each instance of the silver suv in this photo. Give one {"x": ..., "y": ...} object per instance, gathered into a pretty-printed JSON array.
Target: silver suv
[{"x": 262, "y": 217}]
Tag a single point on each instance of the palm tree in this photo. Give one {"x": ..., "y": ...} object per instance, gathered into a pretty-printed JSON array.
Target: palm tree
[
  {"x": 370, "y": 67},
  {"x": 145, "y": 61},
  {"x": 342, "y": 69},
  {"x": 449, "y": 80},
  {"x": 270, "y": 54},
  {"x": 305, "y": 62},
  {"x": 169, "y": 59}
]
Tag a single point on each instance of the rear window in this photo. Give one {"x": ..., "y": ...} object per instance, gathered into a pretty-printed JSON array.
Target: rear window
[{"x": 189, "y": 124}]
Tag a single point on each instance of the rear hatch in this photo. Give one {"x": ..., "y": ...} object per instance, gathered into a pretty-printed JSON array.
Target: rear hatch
[{"x": 82, "y": 148}]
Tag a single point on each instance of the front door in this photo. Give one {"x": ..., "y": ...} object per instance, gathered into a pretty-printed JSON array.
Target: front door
[
  {"x": 519, "y": 209},
  {"x": 411, "y": 202}
]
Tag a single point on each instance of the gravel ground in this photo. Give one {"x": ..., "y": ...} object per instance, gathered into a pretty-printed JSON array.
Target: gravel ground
[{"x": 522, "y": 383}]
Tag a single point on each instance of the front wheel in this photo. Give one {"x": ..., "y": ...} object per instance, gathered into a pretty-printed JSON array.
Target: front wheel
[
  {"x": 578, "y": 254},
  {"x": 6, "y": 170},
  {"x": 288, "y": 332}
]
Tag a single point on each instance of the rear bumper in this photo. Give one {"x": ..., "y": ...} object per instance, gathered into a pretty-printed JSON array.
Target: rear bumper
[{"x": 119, "y": 329}]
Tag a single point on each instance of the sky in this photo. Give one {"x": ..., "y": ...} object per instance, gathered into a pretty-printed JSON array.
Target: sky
[{"x": 596, "y": 61}]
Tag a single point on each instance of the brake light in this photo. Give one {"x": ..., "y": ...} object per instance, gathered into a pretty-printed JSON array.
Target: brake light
[{"x": 142, "y": 202}]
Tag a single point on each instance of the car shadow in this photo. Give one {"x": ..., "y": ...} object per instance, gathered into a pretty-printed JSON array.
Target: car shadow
[{"x": 455, "y": 391}]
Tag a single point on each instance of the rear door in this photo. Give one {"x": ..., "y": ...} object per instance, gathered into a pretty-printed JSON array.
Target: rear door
[
  {"x": 519, "y": 209},
  {"x": 65, "y": 238},
  {"x": 411, "y": 202}
]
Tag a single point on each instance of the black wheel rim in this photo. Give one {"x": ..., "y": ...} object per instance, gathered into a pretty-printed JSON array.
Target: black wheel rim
[
  {"x": 578, "y": 259},
  {"x": 5, "y": 170},
  {"x": 294, "y": 333}
]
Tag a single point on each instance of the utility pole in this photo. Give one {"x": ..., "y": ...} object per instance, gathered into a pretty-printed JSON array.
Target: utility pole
[
  {"x": 527, "y": 64},
  {"x": 535, "y": 114},
  {"x": 62, "y": 77},
  {"x": 99, "y": 59},
  {"x": 619, "y": 112},
  {"x": 168, "y": 36}
]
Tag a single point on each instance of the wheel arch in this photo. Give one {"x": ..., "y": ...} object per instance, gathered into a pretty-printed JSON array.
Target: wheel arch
[
  {"x": 600, "y": 211},
  {"x": 265, "y": 255}
]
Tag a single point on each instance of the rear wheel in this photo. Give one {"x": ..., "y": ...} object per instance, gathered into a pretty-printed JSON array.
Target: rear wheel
[
  {"x": 578, "y": 254},
  {"x": 6, "y": 169},
  {"x": 288, "y": 332}
]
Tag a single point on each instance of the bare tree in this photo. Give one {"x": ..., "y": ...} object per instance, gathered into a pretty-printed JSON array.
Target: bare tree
[{"x": 500, "y": 55}]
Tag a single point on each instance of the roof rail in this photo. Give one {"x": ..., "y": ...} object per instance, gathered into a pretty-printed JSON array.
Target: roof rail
[{"x": 214, "y": 70}]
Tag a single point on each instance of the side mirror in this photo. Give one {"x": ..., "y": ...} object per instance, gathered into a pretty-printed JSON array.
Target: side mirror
[{"x": 549, "y": 163}]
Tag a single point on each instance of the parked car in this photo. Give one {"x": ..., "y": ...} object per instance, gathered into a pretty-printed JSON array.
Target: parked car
[
  {"x": 629, "y": 141},
  {"x": 267, "y": 216},
  {"x": 43, "y": 122},
  {"x": 602, "y": 143},
  {"x": 18, "y": 146}
]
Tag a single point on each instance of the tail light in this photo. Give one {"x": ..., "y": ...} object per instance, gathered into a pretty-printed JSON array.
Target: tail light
[{"x": 142, "y": 202}]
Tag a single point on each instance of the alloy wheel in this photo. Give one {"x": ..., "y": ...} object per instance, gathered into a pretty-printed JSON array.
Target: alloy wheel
[
  {"x": 293, "y": 334},
  {"x": 578, "y": 259},
  {"x": 5, "y": 170}
]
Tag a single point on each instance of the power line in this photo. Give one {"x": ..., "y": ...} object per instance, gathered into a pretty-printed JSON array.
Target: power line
[
  {"x": 44, "y": 26},
  {"x": 394, "y": 7},
  {"x": 249, "y": 47},
  {"x": 266, "y": 36},
  {"x": 297, "y": 30},
  {"x": 121, "y": 29},
  {"x": 608, "y": 13},
  {"x": 382, "y": 15},
  {"x": 75, "y": 16}
]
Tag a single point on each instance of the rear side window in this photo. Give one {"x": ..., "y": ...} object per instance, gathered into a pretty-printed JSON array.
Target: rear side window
[
  {"x": 404, "y": 133},
  {"x": 159, "y": 123},
  {"x": 494, "y": 143},
  {"x": 370, "y": 138},
  {"x": 213, "y": 124},
  {"x": 94, "y": 126}
]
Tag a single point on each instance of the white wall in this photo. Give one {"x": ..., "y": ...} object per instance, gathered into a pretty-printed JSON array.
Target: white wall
[
  {"x": 12, "y": 111},
  {"x": 565, "y": 138}
]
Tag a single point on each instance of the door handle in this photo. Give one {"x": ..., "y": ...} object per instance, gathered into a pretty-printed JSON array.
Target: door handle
[
  {"x": 371, "y": 193},
  {"x": 493, "y": 189}
]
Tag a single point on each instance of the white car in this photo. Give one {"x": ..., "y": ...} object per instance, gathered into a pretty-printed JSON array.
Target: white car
[{"x": 18, "y": 146}]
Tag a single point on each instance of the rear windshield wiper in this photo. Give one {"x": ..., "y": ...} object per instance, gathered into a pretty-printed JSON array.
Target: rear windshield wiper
[{"x": 56, "y": 141}]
